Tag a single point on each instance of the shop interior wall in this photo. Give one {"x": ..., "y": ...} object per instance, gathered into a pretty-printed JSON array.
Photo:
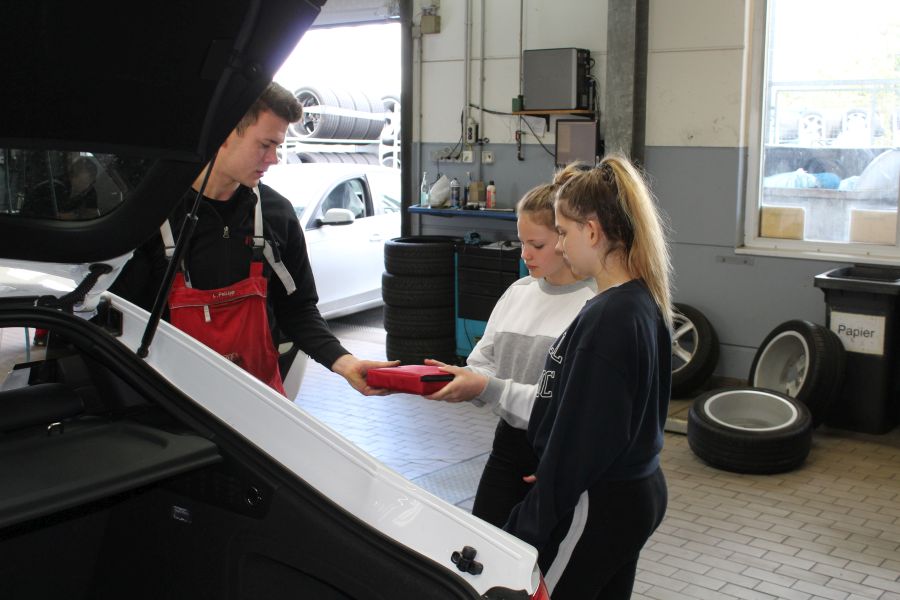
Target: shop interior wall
[{"x": 695, "y": 146}]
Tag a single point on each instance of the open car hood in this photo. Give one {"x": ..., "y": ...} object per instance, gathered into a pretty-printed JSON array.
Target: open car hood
[{"x": 160, "y": 85}]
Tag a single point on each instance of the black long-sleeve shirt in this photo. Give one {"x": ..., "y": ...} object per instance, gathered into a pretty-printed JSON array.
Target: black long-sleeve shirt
[
  {"x": 219, "y": 255},
  {"x": 601, "y": 406}
]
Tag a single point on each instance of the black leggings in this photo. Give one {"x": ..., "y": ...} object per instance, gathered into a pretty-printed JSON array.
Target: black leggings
[
  {"x": 594, "y": 555},
  {"x": 501, "y": 486}
]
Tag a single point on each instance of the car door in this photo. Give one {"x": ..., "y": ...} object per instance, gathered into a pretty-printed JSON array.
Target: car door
[{"x": 346, "y": 258}]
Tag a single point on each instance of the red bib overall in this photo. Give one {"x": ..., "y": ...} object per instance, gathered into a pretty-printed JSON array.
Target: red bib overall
[
  {"x": 233, "y": 320},
  {"x": 230, "y": 320}
]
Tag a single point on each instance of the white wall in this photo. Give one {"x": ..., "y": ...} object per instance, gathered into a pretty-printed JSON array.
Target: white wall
[
  {"x": 547, "y": 24},
  {"x": 695, "y": 66}
]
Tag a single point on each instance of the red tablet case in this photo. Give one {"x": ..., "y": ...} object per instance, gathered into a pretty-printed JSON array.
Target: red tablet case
[{"x": 415, "y": 379}]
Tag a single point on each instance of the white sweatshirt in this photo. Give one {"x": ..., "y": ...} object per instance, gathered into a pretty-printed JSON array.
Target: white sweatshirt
[{"x": 526, "y": 321}]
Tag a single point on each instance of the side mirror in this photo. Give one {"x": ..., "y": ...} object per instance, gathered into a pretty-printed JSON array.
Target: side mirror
[{"x": 338, "y": 216}]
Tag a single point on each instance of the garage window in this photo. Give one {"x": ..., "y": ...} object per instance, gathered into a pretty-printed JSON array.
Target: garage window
[{"x": 824, "y": 164}]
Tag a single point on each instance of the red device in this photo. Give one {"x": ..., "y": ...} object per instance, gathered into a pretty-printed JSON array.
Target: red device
[{"x": 415, "y": 379}]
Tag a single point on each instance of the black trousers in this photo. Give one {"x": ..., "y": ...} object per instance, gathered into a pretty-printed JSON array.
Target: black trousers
[
  {"x": 501, "y": 486},
  {"x": 593, "y": 555}
]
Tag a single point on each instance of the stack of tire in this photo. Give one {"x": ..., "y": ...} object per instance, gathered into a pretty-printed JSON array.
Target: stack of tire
[
  {"x": 417, "y": 289},
  {"x": 321, "y": 121},
  {"x": 348, "y": 116}
]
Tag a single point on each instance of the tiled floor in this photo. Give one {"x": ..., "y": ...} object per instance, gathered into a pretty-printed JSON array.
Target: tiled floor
[{"x": 829, "y": 530}]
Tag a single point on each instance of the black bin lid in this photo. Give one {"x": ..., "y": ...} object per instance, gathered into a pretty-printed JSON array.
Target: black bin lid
[{"x": 861, "y": 278}]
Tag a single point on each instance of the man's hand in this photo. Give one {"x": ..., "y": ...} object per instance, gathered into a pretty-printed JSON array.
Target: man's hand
[
  {"x": 354, "y": 371},
  {"x": 465, "y": 385}
]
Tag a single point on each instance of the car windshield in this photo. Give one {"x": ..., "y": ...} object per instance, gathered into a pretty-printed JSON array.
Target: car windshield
[
  {"x": 295, "y": 189},
  {"x": 66, "y": 185}
]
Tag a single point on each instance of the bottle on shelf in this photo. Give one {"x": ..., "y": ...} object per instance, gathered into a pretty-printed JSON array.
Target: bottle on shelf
[
  {"x": 490, "y": 195},
  {"x": 454, "y": 193},
  {"x": 423, "y": 191},
  {"x": 465, "y": 200}
]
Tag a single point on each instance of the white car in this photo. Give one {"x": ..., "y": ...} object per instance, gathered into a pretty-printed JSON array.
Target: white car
[
  {"x": 134, "y": 461},
  {"x": 347, "y": 212}
]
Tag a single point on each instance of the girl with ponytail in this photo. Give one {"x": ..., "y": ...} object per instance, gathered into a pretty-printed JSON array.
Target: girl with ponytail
[{"x": 597, "y": 424}]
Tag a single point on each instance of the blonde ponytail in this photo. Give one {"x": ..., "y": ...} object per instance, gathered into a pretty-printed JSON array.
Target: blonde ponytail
[{"x": 616, "y": 194}]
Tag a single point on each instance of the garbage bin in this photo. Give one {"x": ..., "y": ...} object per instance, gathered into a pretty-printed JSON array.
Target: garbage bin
[{"x": 863, "y": 310}]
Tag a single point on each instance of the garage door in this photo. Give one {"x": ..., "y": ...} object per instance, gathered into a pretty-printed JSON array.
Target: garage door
[{"x": 346, "y": 12}]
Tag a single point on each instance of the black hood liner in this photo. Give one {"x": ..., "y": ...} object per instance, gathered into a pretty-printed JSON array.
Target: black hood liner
[{"x": 166, "y": 79}]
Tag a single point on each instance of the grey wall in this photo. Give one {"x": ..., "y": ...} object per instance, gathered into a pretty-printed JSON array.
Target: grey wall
[
  {"x": 700, "y": 192},
  {"x": 511, "y": 177},
  {"x": 743, "y": 296}
]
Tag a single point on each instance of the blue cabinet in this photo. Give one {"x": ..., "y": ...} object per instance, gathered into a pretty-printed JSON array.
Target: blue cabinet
[{"x": 482, "y": 273}]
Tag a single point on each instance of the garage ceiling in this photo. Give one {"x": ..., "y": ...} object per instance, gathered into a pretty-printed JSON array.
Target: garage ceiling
[{"x": 345, "y": 12}]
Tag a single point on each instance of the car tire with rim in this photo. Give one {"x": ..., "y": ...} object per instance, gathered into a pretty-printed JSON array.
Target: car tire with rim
[
  {"x": 749, "y": 430},
  {"x": 327, "y": 125},
  {"x": 420, "y": 255},
  {"x": 695, "y": 350},
  {"x": 804, "y": 361}
]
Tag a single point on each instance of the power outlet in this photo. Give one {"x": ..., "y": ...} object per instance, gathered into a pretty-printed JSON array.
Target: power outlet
[
  {"x": 467, "y": 156},
  {"x": 487, "y": 158},
  {"x": 471, "y": 132}
]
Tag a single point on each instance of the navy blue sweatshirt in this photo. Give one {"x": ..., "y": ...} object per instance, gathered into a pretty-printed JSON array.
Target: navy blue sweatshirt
[{"x": 601, "y": 406}]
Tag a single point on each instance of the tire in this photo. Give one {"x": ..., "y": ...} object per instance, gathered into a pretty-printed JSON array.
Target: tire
[
  {"x": 312, "y": 124},
  {"x": 389, "y": 149},
  {"x": 804, "y": 361},
  {"x": 367, "y": 129},
  {"x": 420, "y": 255},
  {"x": 695, "y": 350},
  {"x": 426, "y": 322},
  {"x": 337, "y": 126},
  {"x": 749, "y": 430},
  {"x": 414, "y": 350},
  {"x": 413, "y": 292},
  {"x": 359, "y": 158}
]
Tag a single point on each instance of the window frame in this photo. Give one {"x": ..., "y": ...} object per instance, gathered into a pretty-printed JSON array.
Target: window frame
[{"x": 750, "y": 241}]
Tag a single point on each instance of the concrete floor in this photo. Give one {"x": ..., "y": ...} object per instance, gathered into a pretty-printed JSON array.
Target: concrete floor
[{"x": 828, "y": 530}]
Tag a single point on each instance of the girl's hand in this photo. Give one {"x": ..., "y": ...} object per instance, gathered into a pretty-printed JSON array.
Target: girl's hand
[{"x": 466, "y": 383}]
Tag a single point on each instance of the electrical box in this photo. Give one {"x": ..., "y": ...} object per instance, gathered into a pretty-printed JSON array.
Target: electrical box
[
  {"x": 557, "y": 79},
  {"x": 431, "y": 24}
]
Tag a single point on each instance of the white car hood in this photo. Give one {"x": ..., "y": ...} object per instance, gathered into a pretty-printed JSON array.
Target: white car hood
[{"x": 21, "y": 278}]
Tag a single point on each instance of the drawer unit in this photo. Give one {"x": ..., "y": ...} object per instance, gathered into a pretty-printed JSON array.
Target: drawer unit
[{"x": 482, "y": 275}]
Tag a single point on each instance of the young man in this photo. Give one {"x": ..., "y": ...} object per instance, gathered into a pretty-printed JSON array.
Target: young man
[{"x": 219, "y": 256}]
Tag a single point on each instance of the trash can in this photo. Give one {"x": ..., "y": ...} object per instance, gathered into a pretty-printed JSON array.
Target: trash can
[{"x": 864, "y": 311}]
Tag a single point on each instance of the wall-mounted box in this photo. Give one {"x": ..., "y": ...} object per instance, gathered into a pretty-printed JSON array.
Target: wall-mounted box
[
  {"x": 556, "y": 79},
  {"x": 431, "y": 23}
]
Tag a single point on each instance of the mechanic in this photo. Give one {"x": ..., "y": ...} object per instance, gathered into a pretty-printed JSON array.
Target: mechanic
[
  {"x": 504, "y": 366},
  {"x": 597, "y": 422},
  {"x": 226, "y": 259}
]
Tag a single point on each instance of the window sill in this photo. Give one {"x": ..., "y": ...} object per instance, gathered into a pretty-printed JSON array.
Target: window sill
[{"x": 816, "y": 254}]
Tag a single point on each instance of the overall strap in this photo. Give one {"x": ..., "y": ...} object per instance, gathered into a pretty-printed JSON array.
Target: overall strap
[
  {"x": 268, "y": 252},
  {"x": 259, "y": 243},
  {"x": 165, "y": 231}
]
